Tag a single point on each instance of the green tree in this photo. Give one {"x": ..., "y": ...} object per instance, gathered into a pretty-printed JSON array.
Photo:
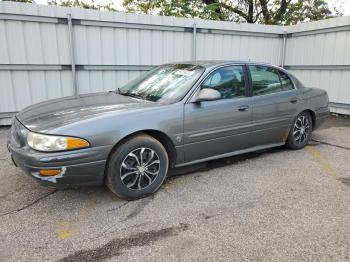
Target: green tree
[
  {"x": 271, "y": 12},
  {"x": 21, "y": 1},
  {"x": 310, "y": 10},
  {"x": 83, "y": 4}
]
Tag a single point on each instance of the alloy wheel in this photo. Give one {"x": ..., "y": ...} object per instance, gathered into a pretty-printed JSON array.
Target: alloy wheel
[
  {"x": 140, "y": 168},
  {"x": 301, "y": 129}
]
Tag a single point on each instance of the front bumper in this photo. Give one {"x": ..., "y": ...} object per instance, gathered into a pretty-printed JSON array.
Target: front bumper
[{"x": 78, "y": 168}]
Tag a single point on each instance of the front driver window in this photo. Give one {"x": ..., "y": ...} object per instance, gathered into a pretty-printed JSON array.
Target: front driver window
[{"x": 229, "y": 81}]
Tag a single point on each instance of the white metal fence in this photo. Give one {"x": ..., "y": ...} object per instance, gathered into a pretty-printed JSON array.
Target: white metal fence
[
  {"x": 48, "y": 52},
  {"x": 319, "y": 54}
]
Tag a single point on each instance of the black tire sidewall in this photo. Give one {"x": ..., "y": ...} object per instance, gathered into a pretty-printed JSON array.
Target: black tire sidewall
[
  {"x": 114, "y": 181},
  {"x": 291, "y": 143}
]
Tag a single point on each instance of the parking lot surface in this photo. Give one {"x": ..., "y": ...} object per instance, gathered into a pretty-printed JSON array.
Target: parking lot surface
[{"x": 275, "y": 205}]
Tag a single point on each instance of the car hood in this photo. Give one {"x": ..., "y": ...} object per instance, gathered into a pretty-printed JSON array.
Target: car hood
[{"x": 51, "y": 114}]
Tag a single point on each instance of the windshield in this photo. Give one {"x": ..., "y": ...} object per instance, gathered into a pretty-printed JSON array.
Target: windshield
[{"x": 167, "y": 83}]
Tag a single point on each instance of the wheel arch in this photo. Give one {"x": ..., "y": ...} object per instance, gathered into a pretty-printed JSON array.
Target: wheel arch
[
  {"x": 166, "y": 141},
  {"x": 163, "y": 138},
  {"x": 313, "y": 117}
]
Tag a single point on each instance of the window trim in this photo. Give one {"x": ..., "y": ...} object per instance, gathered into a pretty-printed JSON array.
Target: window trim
[
  {"x": 246, "y": 82},
  {"x": 278, "y": 72}
]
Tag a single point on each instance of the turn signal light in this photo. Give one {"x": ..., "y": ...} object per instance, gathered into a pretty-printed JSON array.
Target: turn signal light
[
  {"x": 74, "y": 143},
  {"x": 50, "y": 172}
]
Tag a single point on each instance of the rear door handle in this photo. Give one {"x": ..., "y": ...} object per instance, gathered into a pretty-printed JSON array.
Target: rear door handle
[
  {"x": 293, "y": 100},
  {"x": 243, "y": 108}
]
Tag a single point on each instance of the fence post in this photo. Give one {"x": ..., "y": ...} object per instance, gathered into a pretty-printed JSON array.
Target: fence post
[
  {"x": 72, "y": 54},
  {"x": 194, "y": 49},
  {"x": 284, "y": 45}
]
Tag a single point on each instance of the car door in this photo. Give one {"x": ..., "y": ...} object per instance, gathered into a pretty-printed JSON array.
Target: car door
[
  {"x": 275, "y": 104},
  {"x": 218, "y": 127}
]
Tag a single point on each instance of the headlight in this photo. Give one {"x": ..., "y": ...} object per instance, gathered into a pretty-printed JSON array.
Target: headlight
[{"x": 49, "y": 143}]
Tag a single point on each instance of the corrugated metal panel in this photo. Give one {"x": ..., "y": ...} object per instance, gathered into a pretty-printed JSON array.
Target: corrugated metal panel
[
  {"x": 98, "y": 81},
  {"x": 321, "y": 49},
  {"x": 33, "y": 43},
  {"x": 19, "y": 89},
  {"x": 216, "y": 46},
  {"x": 329, "y": 81},
  {"x": 111, "y": 48}
]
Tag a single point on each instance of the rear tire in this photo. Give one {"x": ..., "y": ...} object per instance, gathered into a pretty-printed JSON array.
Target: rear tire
[
  {"x": 137, "y": 168},
  {"x": 300, "y": 132}
]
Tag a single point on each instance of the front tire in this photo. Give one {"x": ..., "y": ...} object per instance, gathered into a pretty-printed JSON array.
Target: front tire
[
  {"x": 300, "y": 132},
  {"x": 137, "y": 168}
]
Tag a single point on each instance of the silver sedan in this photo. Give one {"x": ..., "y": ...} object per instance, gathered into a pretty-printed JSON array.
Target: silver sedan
[{"x": 174, "y": 115}]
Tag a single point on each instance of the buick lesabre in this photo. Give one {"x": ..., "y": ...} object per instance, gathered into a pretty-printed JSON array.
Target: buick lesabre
[{"x": 174, "y": 115}]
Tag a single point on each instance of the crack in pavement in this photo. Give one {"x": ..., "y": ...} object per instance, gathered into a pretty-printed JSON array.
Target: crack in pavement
[
  {"x": 345, "y": 180},
  {"x": 117, "y": 246},
  {"x": 105, "y": 229},
  {"x": 118, "y": 207},
  {"x": 138, "y": 208},
  {"x": 29, "y": 205},
  {"x": 330, "y": 144}
]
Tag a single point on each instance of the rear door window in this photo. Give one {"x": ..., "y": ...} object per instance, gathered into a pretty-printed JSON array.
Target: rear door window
[
  {"x": 268, "y": 80},
  {"x": 285, "y": 81}
]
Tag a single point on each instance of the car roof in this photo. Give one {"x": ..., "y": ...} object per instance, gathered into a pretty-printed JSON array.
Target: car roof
[
  {"x": 212, "y": 64},
  {"x": 215, "y": 63}
]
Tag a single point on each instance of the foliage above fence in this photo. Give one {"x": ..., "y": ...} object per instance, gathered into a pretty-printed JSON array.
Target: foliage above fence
[
  {"x": 270, "y": 12},
  {"x": 49, "y": 52}
]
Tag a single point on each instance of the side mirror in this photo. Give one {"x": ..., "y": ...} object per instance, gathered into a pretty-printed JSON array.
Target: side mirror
[{"x": 207, "y": 94}]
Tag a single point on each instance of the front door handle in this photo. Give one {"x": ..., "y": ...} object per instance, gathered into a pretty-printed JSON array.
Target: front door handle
[
  {"x": 293, "y": 100},
  {"x": 243, "y": 108}
]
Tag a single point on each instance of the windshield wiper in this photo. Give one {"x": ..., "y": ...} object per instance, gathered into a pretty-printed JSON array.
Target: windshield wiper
[{"x": 133, "y": 95}]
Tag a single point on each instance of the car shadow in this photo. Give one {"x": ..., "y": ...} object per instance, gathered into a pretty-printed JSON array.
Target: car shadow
[
  {"x": 175, "y": 173},
  {"x": 179, "y": 172}
]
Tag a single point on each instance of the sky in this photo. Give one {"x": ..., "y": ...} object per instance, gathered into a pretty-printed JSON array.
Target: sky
[
  {"x": 118, "y": 3},
  {"x": 344, "y": 3}
]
